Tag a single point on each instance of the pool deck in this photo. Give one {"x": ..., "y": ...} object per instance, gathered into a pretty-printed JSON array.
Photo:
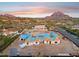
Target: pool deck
[{"x": 66, "y": 47}]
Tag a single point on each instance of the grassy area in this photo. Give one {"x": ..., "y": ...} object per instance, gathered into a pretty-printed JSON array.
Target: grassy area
[
  {"x": 5, "y": 41},
  {"x": 72, "y": 31},
  {"x": 3, "y": 55},
  {"x": 75, "y": 20}
]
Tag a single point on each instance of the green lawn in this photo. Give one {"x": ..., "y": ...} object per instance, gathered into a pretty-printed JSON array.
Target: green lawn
[{"x": 5, "y": 41}]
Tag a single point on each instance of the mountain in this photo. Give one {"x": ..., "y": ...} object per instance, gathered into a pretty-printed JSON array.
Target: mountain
[
  {"x": 58, "y": 16},
  {"x": 6, "y": 15}
]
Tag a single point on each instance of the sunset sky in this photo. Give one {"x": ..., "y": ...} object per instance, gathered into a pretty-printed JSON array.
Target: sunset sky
[{"x": 39, "y": 9}]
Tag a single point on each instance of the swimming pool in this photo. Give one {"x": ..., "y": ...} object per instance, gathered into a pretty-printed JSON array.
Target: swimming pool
[{"x": 40, "y": 36}]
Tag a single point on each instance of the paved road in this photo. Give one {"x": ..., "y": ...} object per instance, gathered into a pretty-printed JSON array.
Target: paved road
[{"x": 71, "y": 37}]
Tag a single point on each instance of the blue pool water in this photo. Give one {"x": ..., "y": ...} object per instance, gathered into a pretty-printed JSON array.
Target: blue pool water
[{"x": 41, "y": 36}]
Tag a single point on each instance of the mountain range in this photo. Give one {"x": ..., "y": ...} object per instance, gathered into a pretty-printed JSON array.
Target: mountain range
[
  {"x": 6, "y": 15},
  {"x": 55, "y": 16},
  {"x": 58, "y": 16}
]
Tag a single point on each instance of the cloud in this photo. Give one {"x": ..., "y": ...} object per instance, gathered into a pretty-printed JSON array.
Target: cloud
[
  {"x": 37, "y": 10},
  {"x": 32, "y": 10},
  {"x": 70, "y": 9}
]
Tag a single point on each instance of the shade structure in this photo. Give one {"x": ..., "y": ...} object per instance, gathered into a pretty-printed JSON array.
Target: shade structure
[
  {"x": 57, "y": 40},
  {"x": 24, "y": 36},
  {"x": 47, "y": 41},
  {"x": 37, "y": 42},
  {"x": 52, "y": 42},
  {"x": 22, "y": 45}
]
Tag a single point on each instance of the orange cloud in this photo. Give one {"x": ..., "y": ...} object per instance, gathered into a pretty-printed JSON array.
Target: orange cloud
[
  {"x": 32, "y": 10},
  {"x": 72, "y": 8}
]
